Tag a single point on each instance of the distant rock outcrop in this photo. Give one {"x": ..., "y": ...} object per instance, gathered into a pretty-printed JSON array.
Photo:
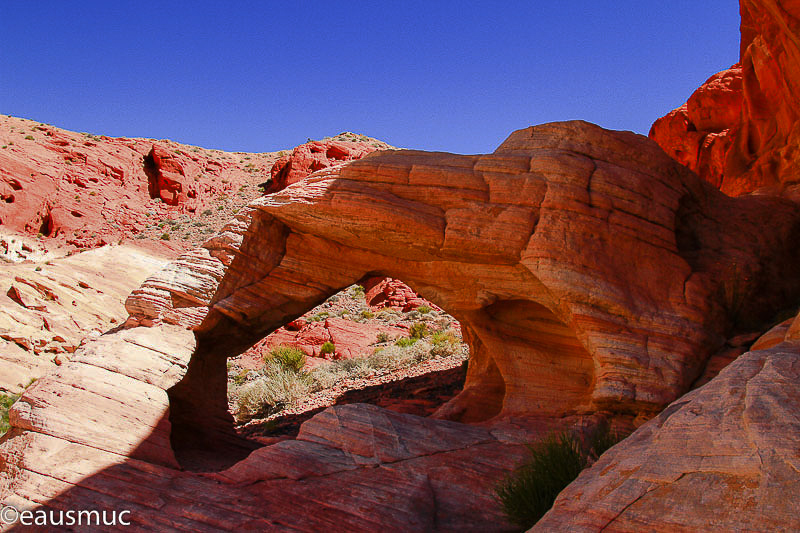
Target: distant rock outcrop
[
  {"x": 316, "y": 155},
  {"x": 741, "y": 130},
  {"x": 87, "y": 191}
]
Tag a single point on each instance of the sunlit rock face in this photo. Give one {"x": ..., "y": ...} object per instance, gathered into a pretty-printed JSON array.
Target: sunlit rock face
[
  {"x": 589, "y": 271},
  {"x": 740, "y": 130}
]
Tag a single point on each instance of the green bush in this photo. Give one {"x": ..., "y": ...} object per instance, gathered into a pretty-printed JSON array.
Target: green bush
[
  {"x": 418, "y": 330},
  {"x": 366, "y": 313},
  {"x": 29, "y": 137},
  {"x": 529, "y": 491},
  {"x": 319, "y": 317},
  {"x": 405, "y": 342},
  {"x": 165, "y": 236},
  {"x": 327, "y": 347},
  {"x": 423, "y": 309},
  {"x": 6, "y": 401},
  {"x": 288, "y": 357}
]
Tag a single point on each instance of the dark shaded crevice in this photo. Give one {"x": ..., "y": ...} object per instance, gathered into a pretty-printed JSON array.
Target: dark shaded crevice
[
  {"x": 152, "y": 172},
  {"x": 47, "y": 227}
]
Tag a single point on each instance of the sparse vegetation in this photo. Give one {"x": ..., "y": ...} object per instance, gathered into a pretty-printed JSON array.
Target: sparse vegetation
[
  {"x": 418, "y": 330},
  {"x": 29, "y": 138},
  {"x": 6, "y": 401},
  {"x": 357, "y": 291},
  {"x": 288, "y": 357},
  {"x": 382, "y": 337},
  {"x": 554, "y": 462},
  {"x": 327, "y": 348},
  {"x": 423, "y": 309},
  {"x": 165, "y": 236},
  {"x": 277, "y": 388}
]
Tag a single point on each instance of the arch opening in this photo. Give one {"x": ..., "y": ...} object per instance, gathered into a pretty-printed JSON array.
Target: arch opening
[{"x": 373, "y": 342}]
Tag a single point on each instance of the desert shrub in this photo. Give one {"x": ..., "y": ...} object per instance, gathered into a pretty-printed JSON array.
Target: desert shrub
[
  {"x": 423, "y": 309},
  {"x": 357, "y": 291},
  {"x": 366, "y": 313},
  {"x": 529, "y": 491},
  {"x": 382, "y": 337},
  {"x": 207, "y": 212},
  {"x": 165, "y": 236},
  {"x": 288, "y": 357},
  {"x": 278, "y": 389},
  {"x": 444, "y": 343},
  {"x": 418, "y": 330},
  {"x": 29, "y": 137},
  {"x": 319, "y": 317},
  {"x": 327, "y": 347},
  {"x": 405, "y": 342},
  {"x": 6, "y": 401}
]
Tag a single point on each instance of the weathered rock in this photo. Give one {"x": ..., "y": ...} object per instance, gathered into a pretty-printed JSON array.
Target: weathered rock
[
  {"x": 49, "y": 309},
  {"x": 88, "y": 191},
  {"x": 722, "y": 458},
  {"x": 741, "y": 129},
  {"x": 313, "y": 156},
  {"x": 588, "y": 270},
  {"x": 388, "y": 292},
  {"x": 351, "y": 339}
]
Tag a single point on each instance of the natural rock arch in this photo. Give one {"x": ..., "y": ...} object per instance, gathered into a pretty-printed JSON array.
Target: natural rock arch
[{"x": 589, "y": 270}]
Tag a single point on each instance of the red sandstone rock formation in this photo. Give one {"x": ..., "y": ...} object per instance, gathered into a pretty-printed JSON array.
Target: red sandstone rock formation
[
  {"x": 590, "y": 272},
  {"x": 88, "y": 191},
  {"x": 741, "y": 130},
  {"x": 388, "y": 292},
  {"x": 313, "y": 156}
]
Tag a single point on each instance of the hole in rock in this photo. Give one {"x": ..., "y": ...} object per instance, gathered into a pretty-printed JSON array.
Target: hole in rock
[
  {"x": 46, "y": 227},
  {"x": 375, "y": 342},
  {"x": 8, "y": 198},
  {"x": 15, "y": 184}
]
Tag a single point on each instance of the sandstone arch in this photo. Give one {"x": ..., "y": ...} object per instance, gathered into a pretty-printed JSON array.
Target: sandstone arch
[
  {"x": 613, "y": 270},
  {"x": 590, "y": 271}
]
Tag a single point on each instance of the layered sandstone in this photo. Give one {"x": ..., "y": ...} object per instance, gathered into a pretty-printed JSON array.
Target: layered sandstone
[
  {"x": 723, "y": 458},
  {"x": 50, "y": 308},
  {"x": 590, "y": 273},
  {"x": 740, "y": 130},
  {"x": 588, "y": 269}
]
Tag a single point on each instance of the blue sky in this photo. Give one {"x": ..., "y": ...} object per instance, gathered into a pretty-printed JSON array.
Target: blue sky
[{"x": 261, "y": 76}]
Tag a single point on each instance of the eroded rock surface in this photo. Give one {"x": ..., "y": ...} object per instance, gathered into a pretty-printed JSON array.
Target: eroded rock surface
[
  {"x": 588, "y": 270},
  {"x": 87, "y": 190},
  {"x": 740, "y": 130},
  {"x": 723, "y": 458},
  {"x": 316, "y": 155},
  {"x": 48, "y": 309}
]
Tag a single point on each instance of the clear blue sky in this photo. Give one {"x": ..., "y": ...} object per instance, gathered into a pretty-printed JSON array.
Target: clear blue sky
[{"x": 259, "y": 76}]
